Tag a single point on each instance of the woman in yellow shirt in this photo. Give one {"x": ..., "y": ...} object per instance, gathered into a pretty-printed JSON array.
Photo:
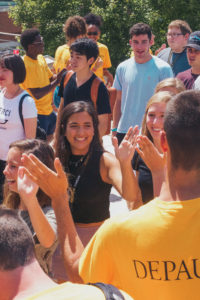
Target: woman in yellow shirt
[
  {"x": 74, "y": 28},
  {"x": 101, "y": 65}
]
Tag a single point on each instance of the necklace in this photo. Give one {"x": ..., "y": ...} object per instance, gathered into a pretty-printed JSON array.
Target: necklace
[
  {"x": 76, "y": 161},
  {"x": 72, "y": 187}
]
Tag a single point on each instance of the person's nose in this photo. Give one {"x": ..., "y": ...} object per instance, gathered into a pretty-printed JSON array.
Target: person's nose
[{"x": 6, "y": 170}]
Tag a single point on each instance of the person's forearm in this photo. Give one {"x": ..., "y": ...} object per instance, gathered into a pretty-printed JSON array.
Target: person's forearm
[
  {"x": 41, "y": 225},
  {"x": 70, "y": 242},
  {"x": 109, "y": 76},
  {"x": 103, "y": 124},
  {"x": 116, "y": 113},
  {"x": 41, "y": 92},
  {"x": 130, "y": 188},
  {"x": 30, "y": 128}
]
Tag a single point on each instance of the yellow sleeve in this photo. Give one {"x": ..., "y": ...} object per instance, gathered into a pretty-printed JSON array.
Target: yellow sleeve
[
  {"x": 62, "y": 56},
  {"x": 107, "y": 62},
  {"x": 50, "y": 74}
]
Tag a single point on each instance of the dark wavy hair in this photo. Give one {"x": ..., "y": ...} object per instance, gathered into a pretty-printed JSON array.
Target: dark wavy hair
[
  {"x": 42, "y": 151},
  {"x": 62, "y": 145}
]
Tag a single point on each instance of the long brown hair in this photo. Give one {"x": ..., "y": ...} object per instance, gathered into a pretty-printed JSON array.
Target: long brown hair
[
  {"x": 42, "y": 151},
  {"x": 62, "y": 145},
  {"x": 156, "y": 98}
]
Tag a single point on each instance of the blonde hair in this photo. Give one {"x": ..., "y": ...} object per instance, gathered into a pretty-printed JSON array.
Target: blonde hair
[
  {"x": 171, "y": 83},
  {"x": 160, "y": 97},
  {"x": 182, "y": 25}
]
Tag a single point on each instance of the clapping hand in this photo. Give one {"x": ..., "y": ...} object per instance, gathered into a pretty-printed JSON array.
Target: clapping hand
[
  {"x": 125, "y": 151},
  {"x": 27, "y": 189},
  {"x": 54, "y": 184},
  {"x": 150, "y": 154}
]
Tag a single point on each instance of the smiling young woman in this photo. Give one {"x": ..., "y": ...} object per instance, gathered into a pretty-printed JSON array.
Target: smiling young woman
[
  {"x": 91, "y": 170},
  {"x": 152, "y": 127},
  {"x": 33, "y": 204},
  {"x": 12, "y": 73}
]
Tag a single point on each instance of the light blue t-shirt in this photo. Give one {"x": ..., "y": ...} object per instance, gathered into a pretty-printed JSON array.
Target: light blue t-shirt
[{"x": 137, "y": 83}]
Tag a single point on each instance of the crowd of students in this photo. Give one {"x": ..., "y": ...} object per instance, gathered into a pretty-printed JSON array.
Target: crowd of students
[{"x": 60, "y": 187}]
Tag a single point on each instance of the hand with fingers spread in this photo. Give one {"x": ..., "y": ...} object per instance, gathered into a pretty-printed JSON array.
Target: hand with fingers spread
[
  {"x": 54, "y": 184},
  {"x": 150, "y": 154},
  {"x": 27, "y": 189},
  {"x": 125, "y": 151}
]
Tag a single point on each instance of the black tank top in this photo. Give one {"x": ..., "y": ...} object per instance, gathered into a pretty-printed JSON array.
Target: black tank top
[{"x": 91, "y": 199}]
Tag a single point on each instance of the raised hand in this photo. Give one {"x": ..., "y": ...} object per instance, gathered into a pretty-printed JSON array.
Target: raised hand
[
  {"x": 125, "y": 151},
  {"x": 54, "y": 184},
  {"x": 150, "y": 154},
  {"x": 27, "y": 189},
  {"x": 98, "y": 63}
]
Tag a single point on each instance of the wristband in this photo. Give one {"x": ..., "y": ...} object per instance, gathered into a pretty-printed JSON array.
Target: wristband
[{"x": 114, "y": 129}]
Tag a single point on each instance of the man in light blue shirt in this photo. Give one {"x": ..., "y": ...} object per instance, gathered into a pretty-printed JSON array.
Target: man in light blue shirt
[{"x": 135, "y": 81}]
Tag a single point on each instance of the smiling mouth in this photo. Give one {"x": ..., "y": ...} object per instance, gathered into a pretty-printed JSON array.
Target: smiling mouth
[
  {"x": 156, "y": 129},
  {"x": 80, "y": 139},
  {"x": 10, "y": 181}
]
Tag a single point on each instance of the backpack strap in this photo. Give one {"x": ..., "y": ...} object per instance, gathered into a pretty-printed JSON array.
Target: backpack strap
[
  {"x": 94, "y": 90},
  {"x": 20, "y": 108},
  {"x": 109, "y": 290},
  {"x": 68, "y": 75}
]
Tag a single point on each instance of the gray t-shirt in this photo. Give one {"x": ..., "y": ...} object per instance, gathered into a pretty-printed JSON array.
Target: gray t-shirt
[{"x": 44, "y": 255}]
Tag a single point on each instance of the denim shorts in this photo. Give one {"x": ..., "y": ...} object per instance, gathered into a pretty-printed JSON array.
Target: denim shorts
[{"x": 48, "y": 122}]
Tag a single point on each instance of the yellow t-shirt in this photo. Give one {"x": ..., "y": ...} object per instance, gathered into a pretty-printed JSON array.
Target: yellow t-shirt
[
  {"x": 150, "y": 253},
  {"x": 62, "y": 56},
  {"x": 71, "y": 291},
  {"x": 104, "y": 54},
  {"x": 37, "y": 76}
]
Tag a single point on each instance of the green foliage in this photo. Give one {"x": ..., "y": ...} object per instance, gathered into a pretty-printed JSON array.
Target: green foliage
[
  {"x": 118, "y": 16},
  {"x": 50, "y": 15},
  {"x": 164, "y": 11}
]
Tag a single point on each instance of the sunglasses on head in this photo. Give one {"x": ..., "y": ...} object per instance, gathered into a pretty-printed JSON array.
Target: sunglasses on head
[{"x": 92, "y": 33}]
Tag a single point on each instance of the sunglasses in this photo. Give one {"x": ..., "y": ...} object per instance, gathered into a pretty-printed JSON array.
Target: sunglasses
[{"x": 92, "y": 33}]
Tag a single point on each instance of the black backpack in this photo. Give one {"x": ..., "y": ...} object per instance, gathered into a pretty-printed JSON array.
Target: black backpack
[
  {"x": 40, "y": 132},
  {"x": 109, "y": 290}
]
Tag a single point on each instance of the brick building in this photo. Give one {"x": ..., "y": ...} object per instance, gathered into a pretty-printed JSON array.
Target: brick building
[{"x": 7, "y": 28}]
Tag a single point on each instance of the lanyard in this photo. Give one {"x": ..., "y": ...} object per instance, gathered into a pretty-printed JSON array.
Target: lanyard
[{"x": 72, "y": 188}]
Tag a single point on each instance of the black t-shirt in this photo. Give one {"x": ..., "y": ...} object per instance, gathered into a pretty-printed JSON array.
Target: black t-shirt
[
  {"x": 73, "y": 93},
  {"x": 144, "y": 178},
  {"x": 91, "y": 198}
]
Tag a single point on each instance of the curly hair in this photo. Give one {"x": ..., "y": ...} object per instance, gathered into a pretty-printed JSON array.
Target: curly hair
[
  {"x": 28, "y": 37},
  {"x": 74, "y": 27},
  {"x": 92, "y": 19}
]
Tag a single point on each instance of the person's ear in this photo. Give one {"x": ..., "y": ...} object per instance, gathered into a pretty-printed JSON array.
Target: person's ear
[
  {"x": 130, "y": 42},
  {"x": 163, "y": 142},
  {"x": 186, "y": 36},
  {"x": 91, "y": 61}
]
